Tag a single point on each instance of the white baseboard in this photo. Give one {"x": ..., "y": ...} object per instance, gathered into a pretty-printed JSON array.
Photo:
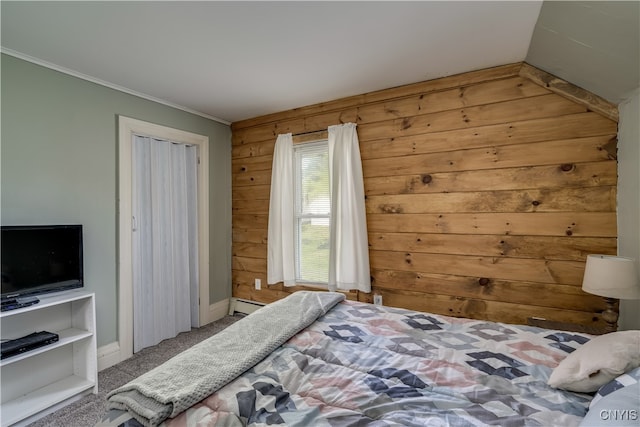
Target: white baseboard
[
  {"x": 244, "y": 306},
  {"x": 218, "y": 310},
  {"x": 108, "y": 355}
]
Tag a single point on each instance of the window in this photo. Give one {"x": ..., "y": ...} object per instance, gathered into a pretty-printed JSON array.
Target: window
[
  {"x": 312, "y": 206},
  {"x": 317, "y": 230}
]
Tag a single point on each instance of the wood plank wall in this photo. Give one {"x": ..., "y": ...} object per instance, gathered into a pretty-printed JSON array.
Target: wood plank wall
[{"x": 485, "y": 191}]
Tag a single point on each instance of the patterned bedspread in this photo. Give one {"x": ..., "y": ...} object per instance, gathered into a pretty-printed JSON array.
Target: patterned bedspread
[{"x": 362, "y": 364}]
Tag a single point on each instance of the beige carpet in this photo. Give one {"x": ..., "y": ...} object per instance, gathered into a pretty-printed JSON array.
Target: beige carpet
[{"x": 90, "y": 409}]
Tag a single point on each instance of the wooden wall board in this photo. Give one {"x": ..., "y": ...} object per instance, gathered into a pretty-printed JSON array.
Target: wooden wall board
[
  {"x": 588, "y": 199},
  {"x": 249, "y": 235},
  {"x": 497, "y": 267},
  {"x": 517, "y": 292},
  {"x": 258, "y": 192},
  {"x": 482, "y": 191},
  {"x": 540, "y": 247},
  {"x": 534, "y": 154},
  {"x": 524, "y": 131},
  {"x": 240, "y": 221},
  {"x": 578, "y": 224},
  {"x": 565, "y": 175}
]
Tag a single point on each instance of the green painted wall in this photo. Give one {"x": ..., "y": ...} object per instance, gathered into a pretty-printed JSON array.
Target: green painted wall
[{"x": 59, "y": 165}]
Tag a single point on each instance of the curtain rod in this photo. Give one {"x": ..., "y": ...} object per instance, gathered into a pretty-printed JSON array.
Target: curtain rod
[
  {"x": 321, "y": 131},
  {"x": 315, "y": 135}
]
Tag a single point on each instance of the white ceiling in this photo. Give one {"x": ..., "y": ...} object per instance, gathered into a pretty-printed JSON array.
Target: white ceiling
[
  {"x": 236, "y": 60},
  {"x": 592, "y": 44}
]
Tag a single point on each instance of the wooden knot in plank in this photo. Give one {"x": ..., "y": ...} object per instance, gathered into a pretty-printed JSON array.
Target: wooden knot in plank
[
  {"x": 567, "y": 167},
  {"x": 391, "y": 209},
  {"x": 483, "y": 281},
  {"x": 426, "y": 179}
]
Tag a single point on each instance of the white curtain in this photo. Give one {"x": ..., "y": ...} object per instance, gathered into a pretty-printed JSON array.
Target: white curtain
[
  {"x": 280, "y": 234},
  {"x": 165, "y": 249},
  {"x": 349, "y": 250},
  {"x": 348, "y": 242}
]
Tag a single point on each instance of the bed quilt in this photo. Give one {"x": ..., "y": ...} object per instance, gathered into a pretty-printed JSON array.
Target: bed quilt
[{"x": 361, "y": 364}]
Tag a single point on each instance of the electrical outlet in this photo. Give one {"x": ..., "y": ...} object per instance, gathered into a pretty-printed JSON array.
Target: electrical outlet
[
  {"x": 258, "y": 284},
  {"x": 377, "y": 299}
]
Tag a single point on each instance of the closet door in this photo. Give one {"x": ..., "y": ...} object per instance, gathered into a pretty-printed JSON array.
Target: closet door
[{"x": 164, "y": 239}]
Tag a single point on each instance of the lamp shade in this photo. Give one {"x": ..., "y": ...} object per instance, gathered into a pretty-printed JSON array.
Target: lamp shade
[{"x": 611, "y": 276}]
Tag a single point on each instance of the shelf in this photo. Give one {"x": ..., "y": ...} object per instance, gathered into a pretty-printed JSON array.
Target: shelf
[
  {"x": 68, "y": 336},
  {"x": 47, "y": 301},
  {"x": 46, "y": 378},
  {"x": 42, "y": 398}
]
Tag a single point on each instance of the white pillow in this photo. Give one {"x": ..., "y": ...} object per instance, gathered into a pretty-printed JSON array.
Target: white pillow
[{"x": 597, "y": 362}]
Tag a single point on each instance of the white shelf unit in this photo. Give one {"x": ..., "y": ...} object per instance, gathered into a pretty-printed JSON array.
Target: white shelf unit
[{"x": 41, "y": 380}]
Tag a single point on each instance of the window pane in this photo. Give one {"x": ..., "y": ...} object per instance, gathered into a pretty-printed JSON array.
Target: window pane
[
  {"x": 313, "y": 206},
  {"x": 314, "y": 250},
  {"x": 314, "y": 181}
]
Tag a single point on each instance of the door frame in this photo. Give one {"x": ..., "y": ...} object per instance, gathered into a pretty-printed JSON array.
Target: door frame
[{"x": 126, "y": 128}]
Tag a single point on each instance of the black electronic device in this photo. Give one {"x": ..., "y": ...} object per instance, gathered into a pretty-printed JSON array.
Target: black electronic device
[
  {"x": 19, "y": 302},
  {"x": 38, "y": 259},
  {"x": 26, "y": 343}
]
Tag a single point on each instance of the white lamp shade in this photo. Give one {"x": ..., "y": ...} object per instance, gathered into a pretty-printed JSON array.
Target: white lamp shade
[{"x": 611, "y": 276}]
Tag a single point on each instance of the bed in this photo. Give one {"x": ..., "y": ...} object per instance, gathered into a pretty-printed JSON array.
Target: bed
[{"x": 346, "y": 363}]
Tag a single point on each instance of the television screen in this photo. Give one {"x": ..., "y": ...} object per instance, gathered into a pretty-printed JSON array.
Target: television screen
[{"x": 37, "y": 259}]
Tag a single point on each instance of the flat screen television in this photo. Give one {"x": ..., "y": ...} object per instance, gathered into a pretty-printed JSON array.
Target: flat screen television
[{"x": 38, "y": 259}]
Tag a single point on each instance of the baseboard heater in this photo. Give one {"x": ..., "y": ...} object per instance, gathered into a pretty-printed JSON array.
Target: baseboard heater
[{"x": 237, "y": 305}]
